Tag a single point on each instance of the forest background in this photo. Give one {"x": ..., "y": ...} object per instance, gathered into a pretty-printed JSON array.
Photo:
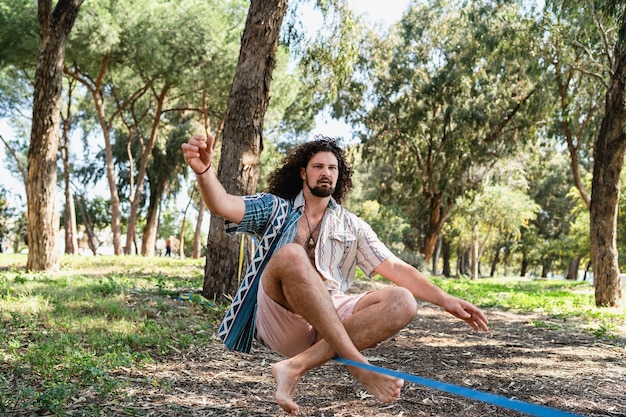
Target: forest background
[{"x": 474, "y": 124}]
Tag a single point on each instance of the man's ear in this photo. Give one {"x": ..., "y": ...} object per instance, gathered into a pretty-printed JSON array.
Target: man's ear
[{"x": 303, "y": 173}]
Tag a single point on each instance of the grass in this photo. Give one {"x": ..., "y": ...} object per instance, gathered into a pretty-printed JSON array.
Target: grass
[
  {"x": 565, "y": 302},
  {"x": 65, "y": 332},
  {"x": 73, "y": 331}
]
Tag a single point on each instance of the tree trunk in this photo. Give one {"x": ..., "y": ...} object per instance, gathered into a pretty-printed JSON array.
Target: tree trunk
[
  {"x": 149, "y": 235},
  {"x": 196, "y": 252},
  {"x": 474, "y": 253},
  {"x": 446, "y": 254},
  {"x": 69, "y": 215},
  {"x": 463, "y": 262},
  {"x": 438, "y": 216},
  {"x": 494, "y": 263},
  {"x": 181, "y": 247},
  {"x": 524, "y": 266},
  {"x": 587, "y": 268},
  {"x": 572, "y": 271},
  {"x": 242, "y": 136},
  {"x": 435, "y": 257},
  {"x": 505, "y": 259},
  {"x": 94, "y": 87},
  {"x": 181, "y": 252},
  {"x": 116, "y": 210},
  {"x": 54, "y": 29},
  {"x": 146, "y": 153},
  {"x": 608, "y": 159},
  {"x": 92, "y": 240},
  {"x": 71, "y": 230}
]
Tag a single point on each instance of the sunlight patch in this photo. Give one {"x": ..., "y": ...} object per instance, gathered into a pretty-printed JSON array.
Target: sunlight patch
[{"x": 25, "y": 304}]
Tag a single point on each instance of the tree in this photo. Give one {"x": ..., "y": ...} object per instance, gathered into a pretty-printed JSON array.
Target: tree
[
  {"x": 242, "y": 135},
  {"x": 69, "y": 213},
  {"x": 139, "y": 71},
  {"x": 54, "y": 29},
  {"x": 576, "y": 243},
  {"x": 491, "y": 217},
  {"x": 163, "y": 172},
  {"x": 546, "y": 170},
  {"x": 453, "y": 97},
  {"x": 608, "y": 156},
  {"x": 574, "y": 50}
]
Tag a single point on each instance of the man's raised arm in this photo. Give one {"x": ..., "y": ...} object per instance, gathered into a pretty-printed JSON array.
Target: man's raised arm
[{"x": 198, "y": 154}]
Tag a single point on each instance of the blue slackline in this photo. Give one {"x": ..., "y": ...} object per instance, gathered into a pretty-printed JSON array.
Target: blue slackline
[{"x": 516, "y": 405}]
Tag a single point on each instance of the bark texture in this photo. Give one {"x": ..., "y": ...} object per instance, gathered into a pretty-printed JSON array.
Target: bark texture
[
  {"x": 54, "y": 29},
  {"x": 608, "y": 161},
  {"x": 242, "y": 135}
]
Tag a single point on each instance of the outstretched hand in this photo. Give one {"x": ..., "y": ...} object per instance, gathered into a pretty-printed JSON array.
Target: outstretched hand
[
  {"x": 467, "y": 312},
  {"x": 198, "y": 153}
]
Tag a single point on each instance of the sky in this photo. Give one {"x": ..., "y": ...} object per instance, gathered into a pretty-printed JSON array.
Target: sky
[
  {"x": 386, "y": 12},
  {"x": 373, "y": 11}
]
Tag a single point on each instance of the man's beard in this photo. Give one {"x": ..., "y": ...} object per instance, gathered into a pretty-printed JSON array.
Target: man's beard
[{"x": 318, "y": 191}]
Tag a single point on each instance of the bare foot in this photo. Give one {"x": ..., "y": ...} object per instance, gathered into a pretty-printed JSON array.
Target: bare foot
[
  {"x": 385, "y": 388},
  {"x": 286, "y": 380}
]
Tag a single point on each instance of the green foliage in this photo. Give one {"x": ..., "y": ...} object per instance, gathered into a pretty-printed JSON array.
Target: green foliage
[
  {"x": 388, "y": 224},
  {"x": 98, "y": 211},
  {"x": 270, "y": 160},
  {"x": 6, "y": 213},
  {"x": 496, "y": 211},
  {"x": 493, "y": 219},
  {"x": 16, "y": 92},
  {"x": 329, "y": 59},
  {"x": 286, "y": 89},
  {"x": 388, "y": 221},
  {"x": 19, "y": 36},
  {"x": 452, "y": 97},
  {"x": 550, "y": 243}
]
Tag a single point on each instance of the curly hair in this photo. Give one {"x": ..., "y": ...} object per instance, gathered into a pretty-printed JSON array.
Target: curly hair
[{"x": 286, "y": 182}]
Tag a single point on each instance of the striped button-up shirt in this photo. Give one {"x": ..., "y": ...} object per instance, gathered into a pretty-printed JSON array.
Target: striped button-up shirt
[{"x": 345, "y": 241}]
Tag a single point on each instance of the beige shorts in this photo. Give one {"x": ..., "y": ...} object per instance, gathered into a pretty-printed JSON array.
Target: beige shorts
[{"x": 288, "y": 333}]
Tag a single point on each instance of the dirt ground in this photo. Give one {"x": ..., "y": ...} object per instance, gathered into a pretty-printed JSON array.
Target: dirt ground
[{"x": 556, "y": 364}]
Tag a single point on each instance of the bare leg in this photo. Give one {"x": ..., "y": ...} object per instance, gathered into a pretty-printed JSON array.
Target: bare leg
[{"x": 292, "y": 282}]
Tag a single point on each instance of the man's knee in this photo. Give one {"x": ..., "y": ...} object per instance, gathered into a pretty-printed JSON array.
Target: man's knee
[
  {"x": 288, "y": 264},
  {"x": 402, "y": 305},
  {"x": 291, "y": 249},
  {"x": 287, "y": 257}
]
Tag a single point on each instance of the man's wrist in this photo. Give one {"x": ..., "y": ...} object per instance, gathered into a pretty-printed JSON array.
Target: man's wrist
[{"x": 205, "y": 170}]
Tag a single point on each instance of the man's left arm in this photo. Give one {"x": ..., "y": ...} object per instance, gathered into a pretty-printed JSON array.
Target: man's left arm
[{"x": 404, "y": 275}]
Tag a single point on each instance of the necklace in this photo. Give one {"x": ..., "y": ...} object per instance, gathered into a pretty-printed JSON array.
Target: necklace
[{"x": 311, "y": 242}]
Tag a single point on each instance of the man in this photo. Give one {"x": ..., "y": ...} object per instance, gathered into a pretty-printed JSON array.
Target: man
[{"x": 307, "y": 260}]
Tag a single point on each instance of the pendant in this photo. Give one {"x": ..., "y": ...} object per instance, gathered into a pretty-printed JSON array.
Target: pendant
[{"x": 311, "y": 242}]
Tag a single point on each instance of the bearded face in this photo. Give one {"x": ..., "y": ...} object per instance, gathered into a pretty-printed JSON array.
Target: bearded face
[{"x": 320, "y": 175}]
